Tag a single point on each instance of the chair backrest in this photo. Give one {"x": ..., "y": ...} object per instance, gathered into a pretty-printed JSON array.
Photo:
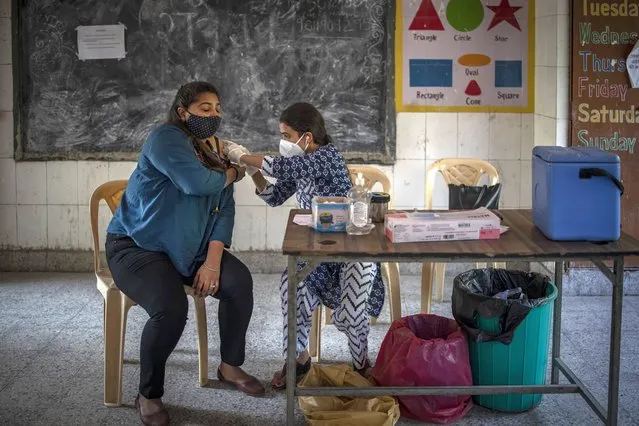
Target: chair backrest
[
  {"x": 372, "y": 176},
  {"x": 459, "y": 171},
  {"x": 111, "y": 192}
]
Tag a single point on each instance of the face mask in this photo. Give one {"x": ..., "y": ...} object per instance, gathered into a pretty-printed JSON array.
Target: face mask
[
  {"x": 203, "y": 127},
  {"x": 290, "y": 149}
]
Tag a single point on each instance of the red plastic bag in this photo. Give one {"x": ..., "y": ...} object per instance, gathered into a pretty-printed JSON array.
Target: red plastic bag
[{"x": 426, "y": 350}]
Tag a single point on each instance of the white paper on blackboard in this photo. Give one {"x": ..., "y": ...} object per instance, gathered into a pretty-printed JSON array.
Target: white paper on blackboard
[
  {"x": 101, "y": 42},
  {"x": 632, "y": 64}
]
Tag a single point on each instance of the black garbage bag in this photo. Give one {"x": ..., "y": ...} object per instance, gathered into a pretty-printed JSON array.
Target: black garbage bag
[
  {"x": 491, "y": 293},
  {"x": 465, "y": 197}
]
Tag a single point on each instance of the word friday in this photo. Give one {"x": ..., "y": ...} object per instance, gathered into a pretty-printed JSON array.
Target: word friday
[{"x": 596, "y": 88}]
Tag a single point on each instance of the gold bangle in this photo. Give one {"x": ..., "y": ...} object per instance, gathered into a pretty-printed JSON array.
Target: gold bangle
[{"x": 210, "y": 269}]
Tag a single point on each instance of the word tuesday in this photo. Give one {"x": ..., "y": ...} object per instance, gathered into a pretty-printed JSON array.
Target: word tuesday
[{"x": 623, "y": 8}]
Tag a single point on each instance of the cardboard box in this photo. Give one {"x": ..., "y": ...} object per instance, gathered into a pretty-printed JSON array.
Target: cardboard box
[
  {"x": 479, "y": 224},
  {"x": 330, "y": 214}
]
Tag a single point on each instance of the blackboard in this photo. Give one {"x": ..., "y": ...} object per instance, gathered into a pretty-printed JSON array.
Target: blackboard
[{"x": 261, "y": 54}]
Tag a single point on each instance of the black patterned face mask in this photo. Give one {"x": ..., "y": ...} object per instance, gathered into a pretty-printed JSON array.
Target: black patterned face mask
[{"x": 203, "y": 127}]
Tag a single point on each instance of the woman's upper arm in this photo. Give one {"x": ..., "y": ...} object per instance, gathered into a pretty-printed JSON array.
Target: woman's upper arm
[{"x": 170, "y": 151}]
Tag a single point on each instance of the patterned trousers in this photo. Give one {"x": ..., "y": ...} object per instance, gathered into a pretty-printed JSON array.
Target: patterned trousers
[{"x": 351, "y": 316}]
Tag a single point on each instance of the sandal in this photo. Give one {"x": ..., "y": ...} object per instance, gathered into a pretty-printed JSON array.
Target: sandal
[
  {"x": 159, "y": 418},
  {"x": 300, "y": 371}
]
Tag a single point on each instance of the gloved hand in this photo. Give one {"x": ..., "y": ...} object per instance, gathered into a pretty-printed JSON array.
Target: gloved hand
[
  {"x": 227, "y": 146},
  {"x": 250, "y": 170},
  {"x": 235, "y": 154},
  {"x": 234, "y": 151}
]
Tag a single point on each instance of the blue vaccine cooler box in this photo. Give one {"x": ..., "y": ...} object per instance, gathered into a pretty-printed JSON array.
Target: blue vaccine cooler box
[{"x": 576, "y": 193}]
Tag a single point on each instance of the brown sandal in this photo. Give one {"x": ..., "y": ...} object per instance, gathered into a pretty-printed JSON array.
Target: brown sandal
[
  {"x": 160, "y": 418},
  {"x": 251, "y": 387}
]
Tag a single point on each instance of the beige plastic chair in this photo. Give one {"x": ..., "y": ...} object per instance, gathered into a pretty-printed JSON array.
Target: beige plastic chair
[
  {"x": 117, "y": 304},
  {"x": 390, "y": 271},
  {"x": 458, "y": 171}
]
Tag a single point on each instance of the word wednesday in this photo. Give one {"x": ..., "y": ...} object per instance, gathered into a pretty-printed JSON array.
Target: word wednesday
[{"x": 623, "y": 8}]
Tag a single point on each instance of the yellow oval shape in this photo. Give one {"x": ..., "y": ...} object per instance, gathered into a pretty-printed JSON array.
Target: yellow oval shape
[{"x": 473, "y": 60}]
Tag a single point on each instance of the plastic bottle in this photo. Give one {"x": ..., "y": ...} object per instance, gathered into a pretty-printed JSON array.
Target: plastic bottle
[{"x": 359, "y": 200}]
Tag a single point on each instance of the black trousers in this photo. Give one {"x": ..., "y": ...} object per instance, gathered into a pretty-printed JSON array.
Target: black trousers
[{"x": 150, "y": 280}]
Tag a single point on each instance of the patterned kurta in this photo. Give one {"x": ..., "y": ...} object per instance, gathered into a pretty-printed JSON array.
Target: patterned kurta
[{"x": 321, "y": 173}]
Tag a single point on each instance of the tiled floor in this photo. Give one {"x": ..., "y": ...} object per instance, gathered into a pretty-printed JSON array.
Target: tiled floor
[{"x": 51, "y": 359}]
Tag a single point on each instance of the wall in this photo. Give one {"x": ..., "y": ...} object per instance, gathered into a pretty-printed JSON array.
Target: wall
[
  {"x": 44, "y": 205},
  {"x": 552, "y": 72}
]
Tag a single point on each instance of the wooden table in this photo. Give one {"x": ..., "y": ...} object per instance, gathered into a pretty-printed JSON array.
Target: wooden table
[{"x": 523, "y": 242}]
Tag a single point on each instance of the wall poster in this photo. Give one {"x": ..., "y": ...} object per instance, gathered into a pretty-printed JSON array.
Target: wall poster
[{"x": 465, "y": 55}]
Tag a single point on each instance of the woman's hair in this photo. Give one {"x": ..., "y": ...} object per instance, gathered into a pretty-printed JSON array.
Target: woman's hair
[
  {"x": 185, "y": 96},
  {"x": 303, "y": 117}
]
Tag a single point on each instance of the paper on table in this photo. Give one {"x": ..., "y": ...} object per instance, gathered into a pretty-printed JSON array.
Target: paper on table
[
  {"x": 503, "y": 229},
  {"x": 302, "y": 219}
]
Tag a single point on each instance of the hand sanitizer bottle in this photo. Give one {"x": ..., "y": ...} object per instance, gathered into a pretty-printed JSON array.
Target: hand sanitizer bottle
[{"x": 359, "y": 200}]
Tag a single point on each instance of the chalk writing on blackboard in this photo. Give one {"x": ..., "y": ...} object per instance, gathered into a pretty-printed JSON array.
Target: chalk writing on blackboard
[{"x": 263, "y": 55}]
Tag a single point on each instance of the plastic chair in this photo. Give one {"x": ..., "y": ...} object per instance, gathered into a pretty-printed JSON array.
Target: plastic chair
[
  {"x": 117, "y": 304},
  {"x": 390, "y": 271},
  {"x": 458, "y": 171}
]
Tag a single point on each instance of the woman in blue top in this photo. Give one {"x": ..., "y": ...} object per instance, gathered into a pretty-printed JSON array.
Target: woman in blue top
[
  {"x": 309, "y": 166},
  {"x": 172, "y": 226}
]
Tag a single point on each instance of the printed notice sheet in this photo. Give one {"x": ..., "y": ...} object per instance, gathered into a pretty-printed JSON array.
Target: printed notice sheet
[{"x": 101, "y": 42}]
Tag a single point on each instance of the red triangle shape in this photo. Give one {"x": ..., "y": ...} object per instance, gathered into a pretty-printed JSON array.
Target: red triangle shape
[
  {"x": 473, "y": 89},
  {"x": 426, "y": 18}
]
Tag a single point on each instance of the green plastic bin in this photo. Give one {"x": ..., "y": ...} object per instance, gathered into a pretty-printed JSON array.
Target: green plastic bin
[{"x": 523, "y": 362}]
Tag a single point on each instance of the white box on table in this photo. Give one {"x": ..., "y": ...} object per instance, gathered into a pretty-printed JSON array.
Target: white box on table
[
  {"x": 478, "y": 224},
  {"x": 330, "y": 214}
]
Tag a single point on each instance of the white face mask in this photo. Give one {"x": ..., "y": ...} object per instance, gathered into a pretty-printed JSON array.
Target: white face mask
[{"x": 291, "y": 149}]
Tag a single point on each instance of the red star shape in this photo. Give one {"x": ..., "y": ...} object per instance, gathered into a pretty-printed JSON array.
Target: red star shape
[{"x": 504, "y": 12}]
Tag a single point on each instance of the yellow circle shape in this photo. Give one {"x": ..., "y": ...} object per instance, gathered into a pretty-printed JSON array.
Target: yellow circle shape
[{"x": 473, "y": 60}]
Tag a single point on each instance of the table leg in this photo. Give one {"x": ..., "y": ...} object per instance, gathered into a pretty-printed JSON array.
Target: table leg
[
  {"x": 615, "y": 342},
  {"x": 292, "y": 340},
  {"x": 556, "y": 324}
]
